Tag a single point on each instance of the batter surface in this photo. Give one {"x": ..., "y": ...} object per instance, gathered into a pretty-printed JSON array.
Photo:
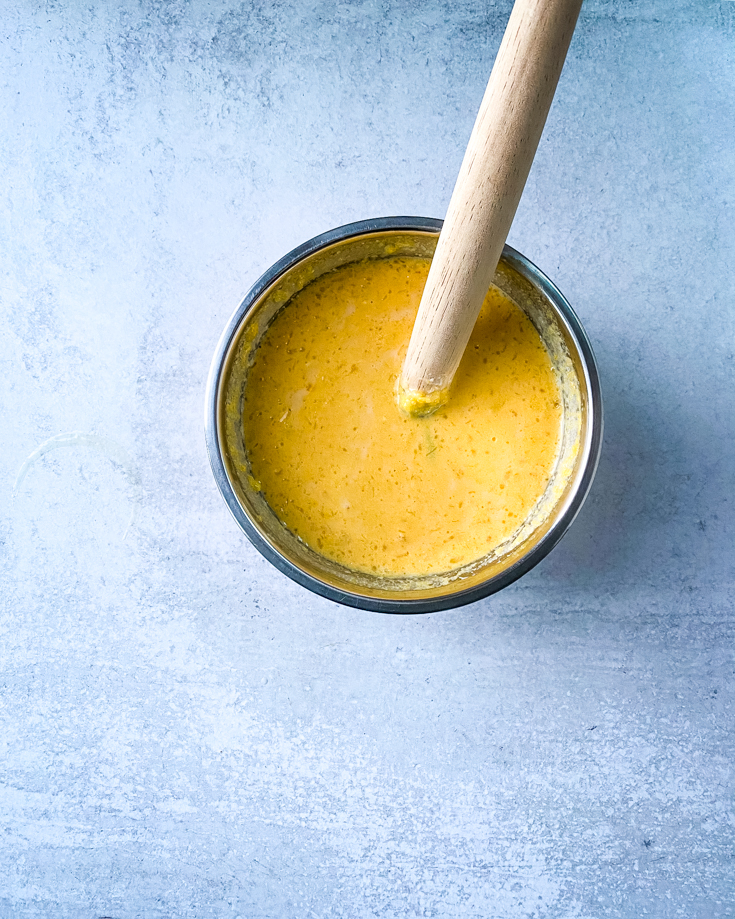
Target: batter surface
[{"x": 358, "y": 481}]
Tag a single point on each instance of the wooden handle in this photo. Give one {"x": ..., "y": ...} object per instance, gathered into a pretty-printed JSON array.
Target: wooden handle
[{"x": 489, "y": 187}]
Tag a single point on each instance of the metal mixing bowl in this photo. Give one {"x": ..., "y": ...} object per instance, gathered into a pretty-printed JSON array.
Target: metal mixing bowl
[{"x": 581, "y": 439}]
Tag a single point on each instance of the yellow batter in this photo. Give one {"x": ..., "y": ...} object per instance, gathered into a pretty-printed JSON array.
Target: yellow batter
[{"x": 358, "y": 481}]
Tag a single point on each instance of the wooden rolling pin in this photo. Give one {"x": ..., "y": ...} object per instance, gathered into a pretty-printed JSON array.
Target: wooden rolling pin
[{"x": 485, "y": 198}]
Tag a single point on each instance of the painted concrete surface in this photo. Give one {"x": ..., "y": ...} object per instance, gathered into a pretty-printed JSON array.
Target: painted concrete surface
[{"x": 186, "y": 733}]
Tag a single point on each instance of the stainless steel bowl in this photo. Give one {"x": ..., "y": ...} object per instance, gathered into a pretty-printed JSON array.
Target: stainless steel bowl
[{"x": 575, "y": 367}]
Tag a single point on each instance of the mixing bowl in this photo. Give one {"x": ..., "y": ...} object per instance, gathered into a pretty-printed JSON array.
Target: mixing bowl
[{"x": 580, "y": 441}]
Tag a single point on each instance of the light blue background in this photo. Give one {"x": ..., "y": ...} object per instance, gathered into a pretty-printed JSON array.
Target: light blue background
[{"x": 186, "y": 733}]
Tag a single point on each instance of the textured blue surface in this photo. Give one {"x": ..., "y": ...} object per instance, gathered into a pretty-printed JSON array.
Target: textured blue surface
[{"x": 186, "y": 733}]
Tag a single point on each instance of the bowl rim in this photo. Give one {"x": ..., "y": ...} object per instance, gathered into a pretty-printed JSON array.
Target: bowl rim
[{"x": 355, "y": 599}]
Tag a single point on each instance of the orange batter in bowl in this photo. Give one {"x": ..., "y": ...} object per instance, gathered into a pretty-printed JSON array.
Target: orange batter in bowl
[{"x": 356, "y": 480}]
